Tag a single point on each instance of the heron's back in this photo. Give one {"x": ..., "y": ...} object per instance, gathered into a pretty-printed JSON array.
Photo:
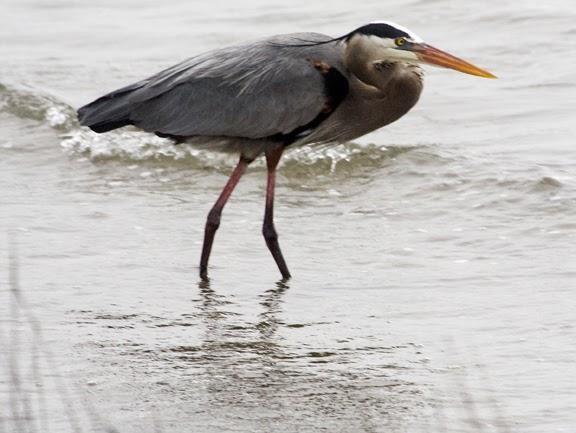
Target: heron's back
[{"x": 251, "y": 91}]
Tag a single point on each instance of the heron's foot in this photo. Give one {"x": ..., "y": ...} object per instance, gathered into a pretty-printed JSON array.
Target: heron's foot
[
  {"x": 271, "y": 239},
  {"x": 204, "y": 274}
]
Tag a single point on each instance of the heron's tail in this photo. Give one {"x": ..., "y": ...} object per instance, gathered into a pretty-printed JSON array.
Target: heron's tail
[{"x": 109, "y": 112}]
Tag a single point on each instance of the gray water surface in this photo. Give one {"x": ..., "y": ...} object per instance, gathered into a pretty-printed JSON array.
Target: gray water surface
[{"x": 433, "y": 261}]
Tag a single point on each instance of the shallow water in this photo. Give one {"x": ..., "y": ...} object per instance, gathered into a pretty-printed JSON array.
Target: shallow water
[{"x": 433, "y": 260}]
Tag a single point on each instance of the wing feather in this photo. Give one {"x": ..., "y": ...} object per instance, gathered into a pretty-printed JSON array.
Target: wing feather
[{"x": 253, "y": 91}]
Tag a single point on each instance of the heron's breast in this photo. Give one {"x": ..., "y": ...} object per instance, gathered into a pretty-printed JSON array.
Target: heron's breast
[{"x": 360, "y": 113}]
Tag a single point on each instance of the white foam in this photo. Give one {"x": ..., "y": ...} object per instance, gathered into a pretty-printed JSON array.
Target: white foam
[
  {"x": 135, "y": 146},
  {"x": 56, "y": 117}
]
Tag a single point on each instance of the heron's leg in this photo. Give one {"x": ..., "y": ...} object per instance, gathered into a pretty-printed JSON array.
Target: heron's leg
[
  {"x": 213, "y": 220},
  {"x": 268, "y": 230}
]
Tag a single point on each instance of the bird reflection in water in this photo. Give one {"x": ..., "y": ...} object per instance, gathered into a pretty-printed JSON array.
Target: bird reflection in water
[
  {"x": 257, "y": 372},
  {"x": 223, "y": 325},
  {"x": 245, "y": 360},
  {"x": 271, "y": 300}
]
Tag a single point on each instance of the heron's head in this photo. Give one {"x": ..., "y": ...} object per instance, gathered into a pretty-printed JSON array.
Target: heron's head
[{"x": 390, "y": 42}]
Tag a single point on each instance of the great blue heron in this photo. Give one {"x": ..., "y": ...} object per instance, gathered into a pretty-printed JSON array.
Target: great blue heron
[{"x": 287, "y": 90}]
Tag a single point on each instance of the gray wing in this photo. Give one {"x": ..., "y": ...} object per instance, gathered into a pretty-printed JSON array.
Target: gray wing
[{"x": 255, "y": 90}]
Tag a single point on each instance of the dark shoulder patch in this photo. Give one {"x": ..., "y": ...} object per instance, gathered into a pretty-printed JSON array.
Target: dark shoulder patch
[
  {"x": 336, "y": 88},
  {"x": 382, "y": 30}
]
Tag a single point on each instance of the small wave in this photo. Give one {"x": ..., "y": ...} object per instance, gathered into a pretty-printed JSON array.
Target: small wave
[
  {"x": 546, "y": 183},
  {"x": 28, "y": 103},
  {"x": 126, "y": 144},
  {"x": 131, "y": 146},
  {"x": 342, "y": 157}
]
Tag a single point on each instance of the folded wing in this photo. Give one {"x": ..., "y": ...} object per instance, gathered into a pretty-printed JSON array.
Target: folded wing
[{"x": 256, "y": 90}]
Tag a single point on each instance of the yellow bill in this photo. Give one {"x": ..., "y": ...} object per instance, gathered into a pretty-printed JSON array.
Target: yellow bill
[{"x": 434, "y": 56}]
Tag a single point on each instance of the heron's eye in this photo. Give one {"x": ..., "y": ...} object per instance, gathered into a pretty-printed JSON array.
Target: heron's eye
[{"x": 399, "y": 41}]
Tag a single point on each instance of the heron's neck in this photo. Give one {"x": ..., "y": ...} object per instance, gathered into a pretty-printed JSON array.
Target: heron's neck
[{"x": 366, "y": 64}]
